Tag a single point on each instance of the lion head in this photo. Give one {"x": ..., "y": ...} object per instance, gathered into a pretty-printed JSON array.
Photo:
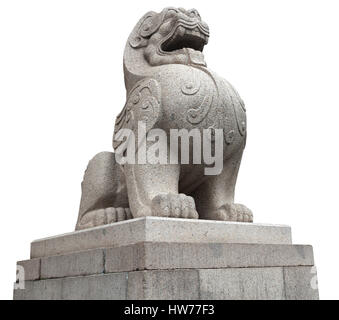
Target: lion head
[{"x": 174, "y": 35}]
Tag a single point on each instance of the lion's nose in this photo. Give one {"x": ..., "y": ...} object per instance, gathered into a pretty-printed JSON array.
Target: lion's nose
[{"x": 204, "y": 28}]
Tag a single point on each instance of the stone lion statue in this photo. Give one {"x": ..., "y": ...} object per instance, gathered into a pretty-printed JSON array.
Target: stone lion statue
[{"x": 169, "y": 87}]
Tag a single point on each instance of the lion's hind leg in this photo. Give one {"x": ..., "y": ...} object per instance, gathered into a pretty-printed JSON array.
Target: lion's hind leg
[{"x": 104, "y": 195}]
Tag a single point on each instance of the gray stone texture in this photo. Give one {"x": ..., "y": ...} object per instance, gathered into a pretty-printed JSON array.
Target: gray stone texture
[
  {"x": 31, "y": 268},
  {"x": 242, "y": 284},
  {"x": 156, "y": 229},
  {"x": 165, "y": 256},
  {"x": 97, "y": 287},
  {"x": 169, "y": 270},
  {"x": 163, "y": 285},
  {"x": 76, "y": 264},
  {"x": 220, "y": 284},
  {"x": 301, "y": 283}
]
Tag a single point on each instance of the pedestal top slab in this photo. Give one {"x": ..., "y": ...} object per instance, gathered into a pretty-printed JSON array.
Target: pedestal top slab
[{"x": 155, "y": 229}]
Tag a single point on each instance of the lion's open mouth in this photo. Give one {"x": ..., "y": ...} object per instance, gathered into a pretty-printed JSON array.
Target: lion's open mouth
[{"x": 185, "y": 38}]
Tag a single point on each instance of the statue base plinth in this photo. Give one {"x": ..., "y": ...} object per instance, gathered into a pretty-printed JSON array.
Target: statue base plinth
[{"x": 164, "y": 258}]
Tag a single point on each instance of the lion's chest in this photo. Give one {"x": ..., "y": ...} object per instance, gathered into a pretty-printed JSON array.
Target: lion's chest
[{"x": 194, "y": 98}]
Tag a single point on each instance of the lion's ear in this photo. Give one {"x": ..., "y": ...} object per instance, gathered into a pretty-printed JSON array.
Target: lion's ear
[
  {"x": 146, "y": 26},
  {"x": 151, "y": 23}
]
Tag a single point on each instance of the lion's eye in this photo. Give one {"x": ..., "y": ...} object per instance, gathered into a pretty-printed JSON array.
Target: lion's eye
[{"x": 170, "y": 13}]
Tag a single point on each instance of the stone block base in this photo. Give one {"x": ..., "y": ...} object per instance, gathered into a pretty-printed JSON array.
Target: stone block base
[
  {"x": 203, "y": 263},
  {"x": 273, "y": 283}
]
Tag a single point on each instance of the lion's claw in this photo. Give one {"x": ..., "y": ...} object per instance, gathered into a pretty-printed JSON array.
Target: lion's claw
[
  {"x": 234, "y": 212},
  {"x": 104, "y": 216},
  {"x": 174, "y": 205}
]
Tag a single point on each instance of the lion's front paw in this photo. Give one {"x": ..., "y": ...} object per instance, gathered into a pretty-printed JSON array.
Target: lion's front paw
[
  {"x": 103, "y": 216},
  {"x": 234, "y": 212},
  {"x": 174, "y": 205}
]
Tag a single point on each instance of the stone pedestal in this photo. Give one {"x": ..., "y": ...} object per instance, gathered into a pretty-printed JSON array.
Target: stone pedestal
[{"x": 159, "y": 258}]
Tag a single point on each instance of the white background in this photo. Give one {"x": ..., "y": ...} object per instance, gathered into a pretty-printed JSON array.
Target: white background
[{"x": 61, "y": 86}]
